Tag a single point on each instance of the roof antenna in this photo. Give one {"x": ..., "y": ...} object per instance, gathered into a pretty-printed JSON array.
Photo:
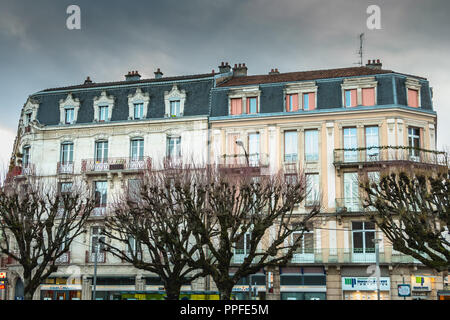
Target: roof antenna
[{"x": 360, "y": 52}]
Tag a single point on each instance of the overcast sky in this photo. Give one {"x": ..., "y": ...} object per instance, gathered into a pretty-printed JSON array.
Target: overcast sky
[{"x": 37, "y": 51}]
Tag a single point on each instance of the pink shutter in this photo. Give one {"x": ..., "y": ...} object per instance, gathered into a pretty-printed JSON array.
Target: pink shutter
[
  {"x": 312, "y": 100},
  {"x": 288, "y": 103},
  {"x": 368, "y": 96},
  {"x": 354, "y": 103},
  {"x": 236, "y": 106},
  {"x": 295, "y": 102},
  {"x": 413, "y": 98},
  {"x": 248, "y": 105}
]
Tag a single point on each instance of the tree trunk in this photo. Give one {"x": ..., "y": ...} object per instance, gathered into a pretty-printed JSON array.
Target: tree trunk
[
  {"x": 28, "y": 287},
  {"x": 225, "y": 290},
  {"x": 172, "y": 290}
]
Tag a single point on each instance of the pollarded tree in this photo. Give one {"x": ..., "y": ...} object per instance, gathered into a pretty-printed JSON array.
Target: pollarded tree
[
  {"x": 150, "y": 222},
  {"x": 225, "y": 210},
  {"x": 412, "y": 208},
  {"x": 38, "y": 224}
]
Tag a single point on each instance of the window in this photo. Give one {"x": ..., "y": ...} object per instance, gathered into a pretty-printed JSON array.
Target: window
[
  {"x": 103, "y": 113},
  {"x": 66, "y": 153},
  {"x": 101, "y": 191},
  {"x": 290, "y": 146},
  {"x": 309, "y": 101},
  {"x": 312, "y": 189},
  {"x": 137, "y": 149},
  {"x": 26, "y": 156},
  {"x": 368, "y": 96},
  {"x": 243, "y": 246},
  {"x": 138, "y": 111},
  {"x": 28, "y": 118},
  {"x": 306, "y": 243},
  {"x": 311, "y": 145},
  {"x": 292, "y": 102},
  {"x": 363, "y": 237},
  {"x": 413, "y": 98},
  {"x": 350, "y": 142},
  {"x": 69, "y": 115},
  {"x": 97, "y": 240},
  {"x": 65, "y": 187},
  {"x": 175, "y": 108},
  {"x": 372, "y": 143},
  {"x": 253, "y": 149},
  {"x": 351, "y": 191},
  {"x": 350, "y": 98},
  {"x": 414, "y": 142},
  {"x": 131, "y": 247},
  {"x": 134, "y": 189},
  {"x": 101, "y": 151},
  {"x": 252, "y": 105},
  {"x": 173, "y": 147},
  {"x": 236, "y": 106}
]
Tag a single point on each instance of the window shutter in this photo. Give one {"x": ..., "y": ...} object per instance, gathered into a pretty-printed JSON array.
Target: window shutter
[
  {"x": 312, "y": 100},
  {"x": 368, "y": 96},
  {"x": 413, "y": 98},
  {"x": 295, "y": 102}
]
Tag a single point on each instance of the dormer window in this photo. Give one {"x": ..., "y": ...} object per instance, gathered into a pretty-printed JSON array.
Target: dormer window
[
  {"x": 413, "y": 92},
  {"x": 138, "y": 110},
  {"x": 413, "y": 98},
  {"x": 359, "y": 92},
  {"x": 292, "y": 102},
  {"x": 103, "y": 113},
  {"x": 244, "y": 101},
  {"x": 175, "y": 108},
  {"x": 29, "y": 113},
  {"x": 252, "y": 105},
  {"x": 309, "y": 101},
  {"x": 69, "y": 115},
  {"x": 28, "y": 118},
  {"x": 300, "y": 96}
]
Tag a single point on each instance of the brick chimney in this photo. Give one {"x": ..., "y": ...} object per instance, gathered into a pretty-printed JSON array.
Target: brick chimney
[
  {"x": 274, "y": 71},
  {"x": 224, "y": 67},
  {"x": 158, "y": 74},
  {"x": 240, "y": 70},
  {"x": 374, "y": 64},
  {"x": 132, "y": 76},
  {"x": 88, "y": 80}
]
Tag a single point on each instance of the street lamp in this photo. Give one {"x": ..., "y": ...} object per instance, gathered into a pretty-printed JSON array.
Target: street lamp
[{"x": 241, "y": 144}]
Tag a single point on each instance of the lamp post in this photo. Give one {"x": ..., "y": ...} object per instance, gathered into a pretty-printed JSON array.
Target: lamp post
[{"x": 241, "y": 144}]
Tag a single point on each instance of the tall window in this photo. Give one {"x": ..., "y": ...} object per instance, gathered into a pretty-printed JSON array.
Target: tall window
[
  {"x": 137, "y": 149},
  {"x": 69, "y": 115},
  {"x": 243, "y": 246},
  {"x": 134, "y": 189},
  {"x": 173, "y": 147},
  {"x": 97, "y": 239},
  {"x": 309, "y": 101},
  {"x": 292, "y": 102},
  {"x": 350, "y": 142},
  {"x": 372, "y": 143},
  {"x": 363, "y": 236},
  {"x": 26, "y": 156},
  {"x": 350, "y": 98},
  {"x": 138, "y": 110},
  {"x": 236, "y": 106},
  {"x": 28, "y": 118},
  {"x": 414, "y": 142},
  {"x": 253, "y": 148},
  {"x": 311, "y": 145},
  {"x": 66, "y": 153},
  {"x": 368, "y": 96},
  {"x": 103, "y": 113},
  {"x": 413, "y": 98},
  {"x": 101, "y": 151},
  {"x": 306, "y": 243},
  {"x": 65, "y": 187},
  {"x": 101, "y": 193},
  {"x": 312, "y": 189},
  {"x": 252, "y": 105},
  {"x": 351, "y": 191},
  {"x": 290, "y": 146},
  {"x": 175, "y": 108}
]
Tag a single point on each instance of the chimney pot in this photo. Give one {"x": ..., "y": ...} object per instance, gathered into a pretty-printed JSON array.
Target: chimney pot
[
  {"x": 378, "y": 60},
  {"x": 158, "y": 74}
]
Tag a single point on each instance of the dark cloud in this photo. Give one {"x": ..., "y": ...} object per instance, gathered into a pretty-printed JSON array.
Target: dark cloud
[{"x": 183, "y": 37}]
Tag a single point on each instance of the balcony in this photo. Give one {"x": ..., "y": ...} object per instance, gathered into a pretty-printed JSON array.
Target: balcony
[
  {"x": 348, "y": 206},
  {"x": 90, "y": 257},
  {"x": 236, "y": 162},
  {"x": 64, "y": 168},
  {"x": 99, "y": 211},
  {"x": 171, "y": 162},
  {"x": 388, "y": 155},
  {"x": 125, "y": 165},
  {"x": 63, "y": 259}
]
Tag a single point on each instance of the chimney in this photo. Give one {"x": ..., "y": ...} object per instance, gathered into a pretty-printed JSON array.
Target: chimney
[
  {"x": 158, "y": 74},
  {"x": 224, "y": 67},
  {"x": 274, "y": 71},
  {"x": 132, "y": 76},
  {"x": 88, "y": 80},
  {"x": 239, "y": 70},
  {"x": 374, "y": 64}
]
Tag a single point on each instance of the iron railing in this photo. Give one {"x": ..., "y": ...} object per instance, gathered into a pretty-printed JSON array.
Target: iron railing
[
  {"x": 90, "y": 257},
  {"x": 115, "y": 164},
  {"x": 64, "y": 167},
  {"x": 348, "y": 205},
  {"x": 241, "y": 160},
  {"x": 64, "y": 258}
]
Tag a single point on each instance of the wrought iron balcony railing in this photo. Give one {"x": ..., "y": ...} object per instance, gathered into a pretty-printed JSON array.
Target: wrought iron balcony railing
[
  {"x": 64, "y": 167},
  {"x": 64, "y": 258},
  {"x": 374, "y": 155},
  {"x": 115, "y": 164},
  {"x": 90, "y": 257},
  {"x": 348, "y": 205},
  {"x": 241, "y": 160}
]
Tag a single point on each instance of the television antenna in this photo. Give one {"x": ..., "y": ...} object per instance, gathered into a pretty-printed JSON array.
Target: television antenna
[{"x": 360, "y": 52}]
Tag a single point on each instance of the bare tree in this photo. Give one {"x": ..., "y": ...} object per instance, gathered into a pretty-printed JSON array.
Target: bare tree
[
  {"x": 412, "y": 208},
  {"x": 150, "y": 222},
  {"x": 38, "y": 225},
  {"x": 225, "y": 210}
]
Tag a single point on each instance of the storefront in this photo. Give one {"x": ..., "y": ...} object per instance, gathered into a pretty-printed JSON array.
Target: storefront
[
  {"x": 252, "y": 287},
  {"x": 303, "y": 283},
  {"x": 365, "y": 288},
  {"x": 421, "y": 287},
  {"x": 61, "y": 292}
]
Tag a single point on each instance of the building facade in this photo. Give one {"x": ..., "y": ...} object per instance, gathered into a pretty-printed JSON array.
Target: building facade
[{"x": 334, "y": 125}]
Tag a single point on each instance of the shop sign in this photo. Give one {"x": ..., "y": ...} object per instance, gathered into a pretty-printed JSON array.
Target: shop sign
[
  {"x": 421, "y": 283},
  {"x": 2, "y": 285},
  {"x": 365, "y": 283},
  {"x": 2, "y": 275},
  {"x": 53, "y": 287},
  {"x": 404, "y": 290}
]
